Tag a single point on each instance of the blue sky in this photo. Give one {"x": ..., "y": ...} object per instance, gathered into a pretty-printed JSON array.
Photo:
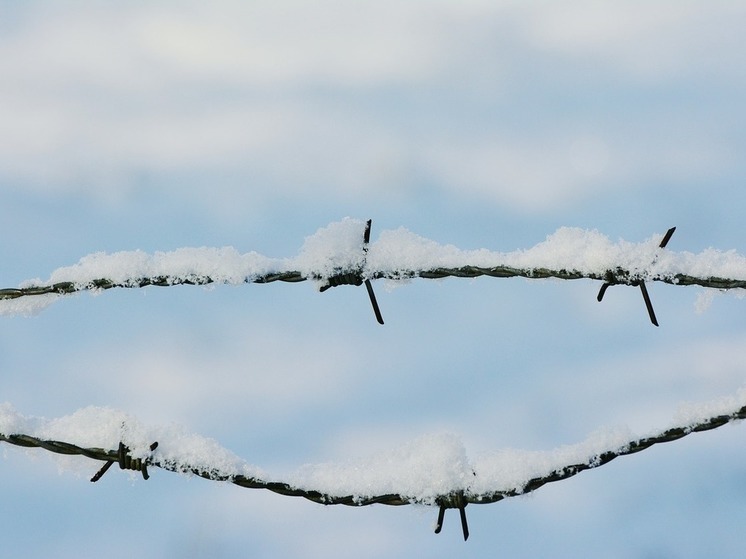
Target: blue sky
[{"x": 482, "y": 124}]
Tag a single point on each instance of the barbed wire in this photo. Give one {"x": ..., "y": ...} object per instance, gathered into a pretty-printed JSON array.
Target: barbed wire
[
  {"x": 360, "y": 273},
  {"x": 618, "y": 276},
  {"x": 456, "y": 499}
]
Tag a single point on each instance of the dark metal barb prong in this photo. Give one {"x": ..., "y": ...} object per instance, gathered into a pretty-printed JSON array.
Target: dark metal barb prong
[
  {"x": 102, "y": 471},
  {"x": 123, "y": 456},
  {"x": 648, "y": 303},
  {"x": 602, "y": 291},
  {"x": 373, "y": 301},
  {"x": 464, "y": 525},
  {"x": 667, "y": 237},
  {"x": 441, "y": 516}
]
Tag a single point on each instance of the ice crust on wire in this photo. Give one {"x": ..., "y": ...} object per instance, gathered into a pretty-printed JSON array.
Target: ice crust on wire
[
  {"x": 338, "y": 248},
  {"x": 420, "y": 471}
]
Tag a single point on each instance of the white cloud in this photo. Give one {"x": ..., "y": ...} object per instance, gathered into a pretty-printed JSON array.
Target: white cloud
[
  {"x": 262, "y": 43},
  {"x": 336, "y": 99},
  {"x": 258, "y": 379},
  {"x": 652, "y": 42},
  {"x": 529, "y": 175}
]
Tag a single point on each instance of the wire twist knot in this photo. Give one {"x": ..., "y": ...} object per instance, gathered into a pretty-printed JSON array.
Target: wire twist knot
[{"x": 126, "y": 462}]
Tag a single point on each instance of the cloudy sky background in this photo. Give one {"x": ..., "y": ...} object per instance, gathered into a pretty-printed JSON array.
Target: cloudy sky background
[{"x": 483, "y": 124}]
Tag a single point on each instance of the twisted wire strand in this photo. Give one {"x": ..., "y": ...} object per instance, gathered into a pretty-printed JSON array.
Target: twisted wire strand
[
  {"x": 456, "y": 499},
  {"x": 360, "y": 273},
  {"x": 616, "y": 276},
  {"x": 633, "y": 447}
]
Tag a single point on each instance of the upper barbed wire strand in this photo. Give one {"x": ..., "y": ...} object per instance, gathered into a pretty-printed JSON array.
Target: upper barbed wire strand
[
  {"x": 338, "y": 244},
  {"x": 619, "y": 276}
]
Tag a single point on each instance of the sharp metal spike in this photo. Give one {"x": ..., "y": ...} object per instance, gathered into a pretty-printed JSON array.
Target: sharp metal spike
[
  {"x": 102, "y": 471},
  {"x": 602, "y": 291},
  {"x": 648, "y": 303},
  {"x": 441, "y": 516},
  {"x": 667, "y": 237},
  {"x": 373, "y": 301},
  {"x": 464, "y": 525}
]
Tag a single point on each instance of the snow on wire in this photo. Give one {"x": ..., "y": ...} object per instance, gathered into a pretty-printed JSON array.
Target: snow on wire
[
  {"x": 433, "y": 470},
  {"x": 341, "y": 254}
]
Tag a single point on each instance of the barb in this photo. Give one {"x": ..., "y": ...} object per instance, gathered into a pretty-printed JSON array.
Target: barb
[
  {"x": 454, "y": 501},
  {"x": 126, "y": 462},
  {"x": 640, "y": 283},
  {"x": 356, "y": 277},
  {"x": 459, "y": 498}
]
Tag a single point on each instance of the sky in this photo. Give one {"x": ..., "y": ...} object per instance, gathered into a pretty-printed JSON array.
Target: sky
[{"x": 155, "y": 126}]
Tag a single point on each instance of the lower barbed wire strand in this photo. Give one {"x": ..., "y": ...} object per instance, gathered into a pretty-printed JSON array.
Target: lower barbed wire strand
[{"x": 465, "y": 496}]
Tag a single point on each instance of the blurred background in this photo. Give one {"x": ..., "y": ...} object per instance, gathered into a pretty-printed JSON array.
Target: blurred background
[{"x": 481, "y": 124}]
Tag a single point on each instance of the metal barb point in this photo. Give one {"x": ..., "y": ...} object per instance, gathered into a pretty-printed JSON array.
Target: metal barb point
[
  {"x": 464, "y": 525},
  {"x": 648, "y": 303},
  {"x": 373, "y": 301},
  {"x": 99, "y": 474},
  {"x": 441, "y": 516},
  {"x": 602, "y": 291},
  {"x": 667, "y": 237}
]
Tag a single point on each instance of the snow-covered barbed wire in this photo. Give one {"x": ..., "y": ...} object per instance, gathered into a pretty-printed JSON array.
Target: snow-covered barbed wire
[
  {"x": 433, "y": 470},
  {"x": 340, "y": 252}
]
